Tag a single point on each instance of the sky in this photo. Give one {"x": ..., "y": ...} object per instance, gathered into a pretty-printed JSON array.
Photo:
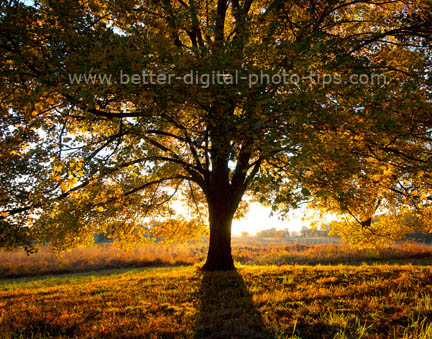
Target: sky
[{"x": 259, "y": 219}]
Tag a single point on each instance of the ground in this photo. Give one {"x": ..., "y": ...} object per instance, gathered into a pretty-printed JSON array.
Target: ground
[{"x": 299, "y": 301}]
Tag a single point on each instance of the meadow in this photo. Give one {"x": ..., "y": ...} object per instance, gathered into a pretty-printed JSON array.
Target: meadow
[
  {"x": 246, "y": 251},
  {"x": 281, "y": 290}
]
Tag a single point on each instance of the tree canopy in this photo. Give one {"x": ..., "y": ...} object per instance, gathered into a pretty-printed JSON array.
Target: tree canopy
[{"x": 84, "y": 150}]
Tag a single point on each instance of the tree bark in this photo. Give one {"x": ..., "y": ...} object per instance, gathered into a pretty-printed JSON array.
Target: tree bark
[
  {"x": 219, "y": 253},
  {"x": 221, "y": 211},
  {"x": 223, "y": 191}
]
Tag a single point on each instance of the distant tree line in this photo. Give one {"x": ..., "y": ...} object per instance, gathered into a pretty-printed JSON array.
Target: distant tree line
[
  {"x": 273, "y": 233},
  {"x": 308, "y": 232},
  {"x": 420, "y": 237},
  {"x": 305, "y": 232}
]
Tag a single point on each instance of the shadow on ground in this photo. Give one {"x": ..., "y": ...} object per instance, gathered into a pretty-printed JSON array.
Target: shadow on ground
[{"x": 226, "y": 309}]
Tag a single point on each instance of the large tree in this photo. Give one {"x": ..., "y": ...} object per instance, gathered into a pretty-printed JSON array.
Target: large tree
[{"x": 85, "y": 150}]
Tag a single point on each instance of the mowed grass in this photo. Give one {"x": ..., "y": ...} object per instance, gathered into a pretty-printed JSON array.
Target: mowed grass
[{"x": 366, "y": 301}]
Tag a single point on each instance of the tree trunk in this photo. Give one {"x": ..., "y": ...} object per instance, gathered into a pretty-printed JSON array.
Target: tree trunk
[
  {"x": 219, "y": 254},
  {"x": 223, "y": 191},
  {"x": 222, "y": 203}
]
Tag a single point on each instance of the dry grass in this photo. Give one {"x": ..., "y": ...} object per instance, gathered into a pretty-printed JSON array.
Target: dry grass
[
  {"x": 330, "y": 254},
  {"x": 380, "y": 301},
  {"x": 106, "y": 256},
  {"x": 285, "y": 301}
]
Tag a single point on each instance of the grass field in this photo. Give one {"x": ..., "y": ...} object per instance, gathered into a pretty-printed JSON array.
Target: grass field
[
  {"x": 246, "y": 251},
  {"x": 281, "y": 290},
  {"x": 366, "y": 301}
]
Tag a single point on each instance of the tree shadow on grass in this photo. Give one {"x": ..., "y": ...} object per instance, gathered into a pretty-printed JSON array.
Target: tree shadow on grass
[{"x": 226, "y": 309}]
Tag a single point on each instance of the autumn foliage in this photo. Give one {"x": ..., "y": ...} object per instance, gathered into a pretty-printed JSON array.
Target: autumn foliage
[{"x": 84, "y": 157}]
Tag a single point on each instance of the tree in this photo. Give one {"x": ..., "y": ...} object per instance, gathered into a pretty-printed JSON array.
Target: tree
[
  {"x": 81, "y": 154},
  {"x": 306, "y": 232},
  {"x": 273, "y": 233}
]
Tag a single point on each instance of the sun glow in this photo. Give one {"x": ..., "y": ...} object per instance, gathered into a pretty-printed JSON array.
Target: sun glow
[{"x": 259, "y": 219}]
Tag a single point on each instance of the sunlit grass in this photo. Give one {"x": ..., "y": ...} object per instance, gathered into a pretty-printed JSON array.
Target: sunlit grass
[
  {"x": 379, "y": 301},
  {"x": 106, "y": 256},
  {"x": 300, "y": 301}
]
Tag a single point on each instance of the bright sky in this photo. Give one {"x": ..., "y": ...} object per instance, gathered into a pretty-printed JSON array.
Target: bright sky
[{"x": 259, "y": 219}]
